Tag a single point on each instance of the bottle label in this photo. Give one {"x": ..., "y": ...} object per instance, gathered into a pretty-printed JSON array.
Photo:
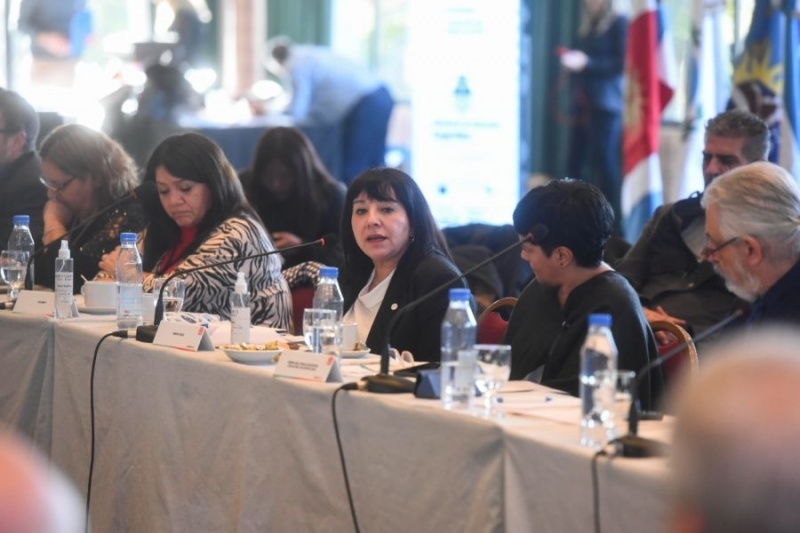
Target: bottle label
[
  {"x": 240, "y": 325},
  {"x": 63, "y": 283}
]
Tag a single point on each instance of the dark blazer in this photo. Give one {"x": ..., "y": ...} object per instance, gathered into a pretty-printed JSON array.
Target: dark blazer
[
  {"x": 22, "y": 194},
  {"x": 665, "y": 272},
  {"x": 601, "y": 80},
  {"x": 417, "y": 331}
]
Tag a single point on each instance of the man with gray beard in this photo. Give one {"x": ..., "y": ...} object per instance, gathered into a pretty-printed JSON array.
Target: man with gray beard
[{"x": 753, "y": 239}]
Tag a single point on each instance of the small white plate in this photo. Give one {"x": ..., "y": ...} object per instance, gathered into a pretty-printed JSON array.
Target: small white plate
[
  {"x": 97, "y": 310},
  {"x": 252, "y": 356},
  {"x": 354, "y": 354}
]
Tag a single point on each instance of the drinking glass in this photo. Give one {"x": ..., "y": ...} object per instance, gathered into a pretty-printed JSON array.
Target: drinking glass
[
  {"x": 319, "y": 329},
  {"x": 492, "y": 369},
  {"x": 174, "y": 293},
  {"x": 13, "y": 267}
]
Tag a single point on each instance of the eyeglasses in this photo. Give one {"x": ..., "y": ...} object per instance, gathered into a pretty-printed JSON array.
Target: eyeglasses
[
  {"x": 708, "y": 251},
  {"x": 53, "y": 187}
]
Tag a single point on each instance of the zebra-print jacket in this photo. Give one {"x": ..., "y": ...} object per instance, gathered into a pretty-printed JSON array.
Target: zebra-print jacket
[{"x": 209, "y": 290}]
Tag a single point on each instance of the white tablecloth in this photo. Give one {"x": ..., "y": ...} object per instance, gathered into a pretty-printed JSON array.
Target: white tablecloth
[{"x": 195, "y": 442}]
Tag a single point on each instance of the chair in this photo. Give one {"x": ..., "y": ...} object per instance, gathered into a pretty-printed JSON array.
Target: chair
[
  {"x": 302, "y": 297},
  {"x": 689, "y": 355},
  {"x": 491, "y": 324}
]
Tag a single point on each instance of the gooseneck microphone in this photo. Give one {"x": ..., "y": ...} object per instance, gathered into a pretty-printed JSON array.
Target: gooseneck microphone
[
  {"x": 145, "y": 189},
  {"x": 148, "y": 333},
  {"x": 631, "y": 445},
  {"x": 384, "y": 383}
]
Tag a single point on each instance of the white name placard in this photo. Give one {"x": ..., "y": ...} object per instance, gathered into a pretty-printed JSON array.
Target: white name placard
[
  {"x": 35, "y": 303},
  {"x": 309, "y": 366},
  {"x": 183, "y": 336}
]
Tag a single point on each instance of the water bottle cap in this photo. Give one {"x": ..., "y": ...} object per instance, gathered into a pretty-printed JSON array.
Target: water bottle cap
[
  {"x": 329, "y": 272},
  {"x": 460, "y": 295},
  {"x": 241, "y": 284},
  {"x": 600, "y": 319},
  {"x": 23, "y": 220},
  {"x": 127, "y": 238},
  {"x": 63, "y": 252}
]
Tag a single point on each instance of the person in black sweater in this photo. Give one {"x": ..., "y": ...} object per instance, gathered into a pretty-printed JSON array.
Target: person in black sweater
[
  {"x": 567, "y": 224},
  {"x": 295, "y": 196}
]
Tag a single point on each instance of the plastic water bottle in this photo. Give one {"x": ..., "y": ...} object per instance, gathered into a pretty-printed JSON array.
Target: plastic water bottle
[
  {"x": 599, "y": 353},
  {"x": 327, "y": 295},
  {"x": 64, "y": 282},
  {"x": 458, "y": 357},
  {"x": 129, "y": 283},
  {"x": 22, "y": 240},
  {"x": 240, "y": 311}
]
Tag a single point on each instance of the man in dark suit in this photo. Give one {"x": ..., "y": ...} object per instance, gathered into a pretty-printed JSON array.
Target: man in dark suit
[
  {"x": 20, "y": 166},
  {"x": 664, "y": 266}
]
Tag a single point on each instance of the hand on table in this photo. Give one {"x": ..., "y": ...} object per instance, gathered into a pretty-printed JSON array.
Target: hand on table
[{"x": 284, "y": 239}]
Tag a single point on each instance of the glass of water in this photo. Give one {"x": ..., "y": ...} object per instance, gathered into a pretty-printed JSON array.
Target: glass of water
[
  {"x": 174, "y": 294},
  {"x": 492, "y": 369},
  {"x": 13, "y": 268},
  {"x": 320, "y": 330}
]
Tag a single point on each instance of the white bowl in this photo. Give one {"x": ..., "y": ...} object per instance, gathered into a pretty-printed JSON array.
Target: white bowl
[
  {"x": 252, "y": 356},
  {"x": 354, "y": 354}
]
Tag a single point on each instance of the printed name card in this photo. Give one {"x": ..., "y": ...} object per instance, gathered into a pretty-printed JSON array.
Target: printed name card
[
  {"x": 35, "y": 302},
  {"x": 183, "y": 336},
  {"x": 309, "y": 366}
]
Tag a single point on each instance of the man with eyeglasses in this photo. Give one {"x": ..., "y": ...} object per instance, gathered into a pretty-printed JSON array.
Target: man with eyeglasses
[
  {"x": 20, "y": 166},
  {"x": 665, "y": 266},
  {"x": 753, "y": 234}
]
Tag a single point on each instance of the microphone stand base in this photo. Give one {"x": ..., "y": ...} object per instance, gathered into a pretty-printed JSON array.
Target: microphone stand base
[
  {"x": 146, "y": 333},
  {"x": 637, "y": 447},
  {"x": 386, "y": 384}
]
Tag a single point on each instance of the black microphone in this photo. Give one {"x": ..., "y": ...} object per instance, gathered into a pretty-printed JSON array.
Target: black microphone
[
  {"x": 145, "y": 189},
  {"x": 148, "y": 333},
  {"x": 631, "y": 445},
  {"x": 384, "y": 383}
]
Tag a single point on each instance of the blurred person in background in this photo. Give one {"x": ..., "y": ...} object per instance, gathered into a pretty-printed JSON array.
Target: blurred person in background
[
  {"x": 59, "y": 31},
  {"x": 596, "y": 64},
  {"x": 201, "y": 216},
  {"x": 327, "y": 89},
  {"x": 84, "y": 171},
  {"x": 294, "y": 194},
  {"x": 394, "y": 253},
  {"x": 188, "y": 21},
  {"x": 20, "y": 167}
]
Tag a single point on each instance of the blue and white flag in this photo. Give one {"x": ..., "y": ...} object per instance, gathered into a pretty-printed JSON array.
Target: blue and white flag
[{"x": 766, "y": 79}]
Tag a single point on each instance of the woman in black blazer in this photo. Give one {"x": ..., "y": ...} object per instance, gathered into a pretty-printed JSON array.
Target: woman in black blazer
[{"x": 392, "y": 243}]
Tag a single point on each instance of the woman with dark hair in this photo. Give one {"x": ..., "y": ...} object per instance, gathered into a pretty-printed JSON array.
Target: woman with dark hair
[
  {"x": 85, "y": 171},
  {"x": 297, "y": 198},
  {"x": 567, "y": 224},
  {"x": 394, "y": 253},
  {"x": 201, "y": 216}
]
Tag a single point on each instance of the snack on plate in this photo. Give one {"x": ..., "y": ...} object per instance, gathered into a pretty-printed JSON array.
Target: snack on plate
[
  {"x": 247, "y": 347},
  {"x": 360, "y": 347}
]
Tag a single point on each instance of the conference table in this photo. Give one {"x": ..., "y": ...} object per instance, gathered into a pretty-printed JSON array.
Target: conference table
[{"x": 192, "y": 441}]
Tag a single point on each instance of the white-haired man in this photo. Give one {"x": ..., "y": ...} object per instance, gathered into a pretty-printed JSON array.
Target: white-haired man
[{"x": 753, "y": 238}]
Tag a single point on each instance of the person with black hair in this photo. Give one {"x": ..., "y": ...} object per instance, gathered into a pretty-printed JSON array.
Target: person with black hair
[
  {"x": 294, "y": 194},
  {"x": 394, "y": 253},
  {"x": 201, "y": 216},
  {"x": 20, "y": 166},
  {"x": 567, "y": 224}
]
